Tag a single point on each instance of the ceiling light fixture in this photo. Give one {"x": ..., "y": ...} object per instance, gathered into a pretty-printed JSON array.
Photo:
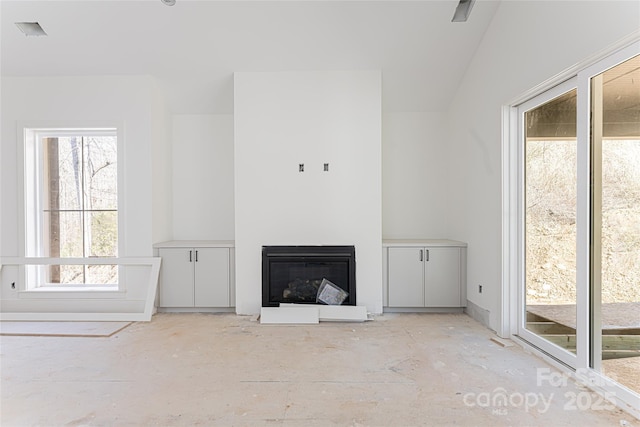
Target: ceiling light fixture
[
  {"x": 31, "y": 28},
  {"x": 169, "y": 2},
  {"x": 463, "y": 10}
]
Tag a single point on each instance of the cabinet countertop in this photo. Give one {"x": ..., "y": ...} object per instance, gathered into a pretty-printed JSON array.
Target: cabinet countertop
[
  {"x": 231, "y": 243},
  {"x": 422, "y": 242},
  {"x": 196, "y": 244}
]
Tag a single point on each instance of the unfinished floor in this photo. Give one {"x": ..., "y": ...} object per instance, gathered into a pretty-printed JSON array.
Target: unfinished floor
[{"x": 206, "y": 369}]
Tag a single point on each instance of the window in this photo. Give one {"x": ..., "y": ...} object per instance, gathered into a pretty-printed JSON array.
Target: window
[{"x": 71, "y": 201}]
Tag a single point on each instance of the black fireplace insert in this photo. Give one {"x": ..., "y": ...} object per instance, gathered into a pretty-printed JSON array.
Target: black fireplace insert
[{"x": 292, "y": 274}]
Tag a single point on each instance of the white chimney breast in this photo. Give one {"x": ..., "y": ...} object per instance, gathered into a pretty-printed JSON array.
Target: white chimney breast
[{"x": 283, "y": 120}]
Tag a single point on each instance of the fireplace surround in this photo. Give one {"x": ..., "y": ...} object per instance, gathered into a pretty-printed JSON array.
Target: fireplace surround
[{"x": 292, "y": 274}]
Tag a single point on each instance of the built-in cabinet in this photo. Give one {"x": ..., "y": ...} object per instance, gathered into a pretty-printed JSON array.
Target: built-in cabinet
[
  {"x": 419, "y": 275},
  {"x": 425, "y": 274},
  {"x": 196, "y": 275}
]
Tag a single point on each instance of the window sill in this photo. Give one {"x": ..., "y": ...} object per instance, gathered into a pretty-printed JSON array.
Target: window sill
[{"x": 70, "y": 292}]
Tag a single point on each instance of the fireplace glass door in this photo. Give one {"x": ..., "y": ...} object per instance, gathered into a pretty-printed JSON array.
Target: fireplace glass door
[{"x": 293, "y": 274}]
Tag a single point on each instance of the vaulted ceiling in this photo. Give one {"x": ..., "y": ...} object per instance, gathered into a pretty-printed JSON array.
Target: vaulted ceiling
[{"x": 194, "y": 47}]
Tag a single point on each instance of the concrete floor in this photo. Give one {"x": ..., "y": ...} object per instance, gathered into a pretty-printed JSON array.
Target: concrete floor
[{"x": 205, "y": 369}]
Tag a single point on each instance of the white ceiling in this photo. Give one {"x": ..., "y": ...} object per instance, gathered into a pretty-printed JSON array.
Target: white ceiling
[{"x": 194, "y": 47}]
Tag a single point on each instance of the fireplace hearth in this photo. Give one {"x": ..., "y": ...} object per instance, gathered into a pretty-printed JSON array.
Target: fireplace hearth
[{"x": 293, "y": 274}]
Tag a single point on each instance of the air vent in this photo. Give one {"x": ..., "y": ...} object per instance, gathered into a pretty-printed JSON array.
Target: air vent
[{"x": 31, "y": 28}]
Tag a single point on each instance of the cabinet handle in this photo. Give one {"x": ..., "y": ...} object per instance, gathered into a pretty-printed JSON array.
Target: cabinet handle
[
  {"x": 427, "y": 254},
  {"x": 190, "y": 256},
  {"x": 196, "y": 256},
  {"x": 421, "y": 255}
]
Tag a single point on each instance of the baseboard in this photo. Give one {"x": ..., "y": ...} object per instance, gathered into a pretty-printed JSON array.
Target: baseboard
[
  {"x": 423, "y": 310},
  {"x": 196, "y": 309},
  {"x": 479, "y": 314}
]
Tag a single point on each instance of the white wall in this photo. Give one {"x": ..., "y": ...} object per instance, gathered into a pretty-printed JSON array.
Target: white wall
[
  {"x": 203, "y": 177},
  {"x": 162, "y": 211},
  {"x": 527, "y": 43},
  {"x": 415, "y": 175},
  {"x": 191, "y": 166},
  {"x": 282, "y": 120},
  {"x": 76, "y": 101}
]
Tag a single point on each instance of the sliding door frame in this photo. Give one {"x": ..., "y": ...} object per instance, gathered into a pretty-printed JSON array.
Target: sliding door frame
[
  {"x": 582, "y": 366},
  {"x": 592, "y": 365},
  {"x": 555, "y": 351}
]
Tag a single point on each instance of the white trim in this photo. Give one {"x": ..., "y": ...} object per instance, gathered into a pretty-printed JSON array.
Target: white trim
[
  {"x": 152, "y": 287},
  {"x": 78, "y": 317},
  {"x": 72, "y": 293},
  {"x": 508, "y": 299},
  {"x": 583, "y": 221},
  {"x": 549, "y": 95},
  {"x": 28, "y": 134},
  {"x": 75, "y": 261}
]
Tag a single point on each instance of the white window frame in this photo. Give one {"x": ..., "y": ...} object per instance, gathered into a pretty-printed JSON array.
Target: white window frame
[
  {"x": 555, "y": 351},
  {"x": 512, "y": 262},
  {"x": 30, "y": 204}
]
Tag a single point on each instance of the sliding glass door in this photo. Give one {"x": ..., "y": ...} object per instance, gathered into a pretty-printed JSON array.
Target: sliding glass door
[
  {"x": 579, "y": 221},
  {"x": 549, "y": 177},
  {"x": 615, "y": 223}
]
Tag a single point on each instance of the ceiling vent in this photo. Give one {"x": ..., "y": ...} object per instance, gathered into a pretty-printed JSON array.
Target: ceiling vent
[
  {"x": 31, "y": 28},
  {"x": 463, "y": 11}
]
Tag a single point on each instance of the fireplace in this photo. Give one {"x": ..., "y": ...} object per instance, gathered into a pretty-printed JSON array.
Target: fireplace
[{"x": 292, "y": 274}]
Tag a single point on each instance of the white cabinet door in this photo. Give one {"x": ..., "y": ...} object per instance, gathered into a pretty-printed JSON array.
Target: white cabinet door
[
  {"x": 176, "y": 279},
  {"x": 211, "y": 277},
  {"x": 442, "y": 277},
  {"x": 406, "y": 277}
]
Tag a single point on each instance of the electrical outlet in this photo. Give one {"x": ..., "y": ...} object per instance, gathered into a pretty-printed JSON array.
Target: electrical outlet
[{"x": 480, "y": 289}]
